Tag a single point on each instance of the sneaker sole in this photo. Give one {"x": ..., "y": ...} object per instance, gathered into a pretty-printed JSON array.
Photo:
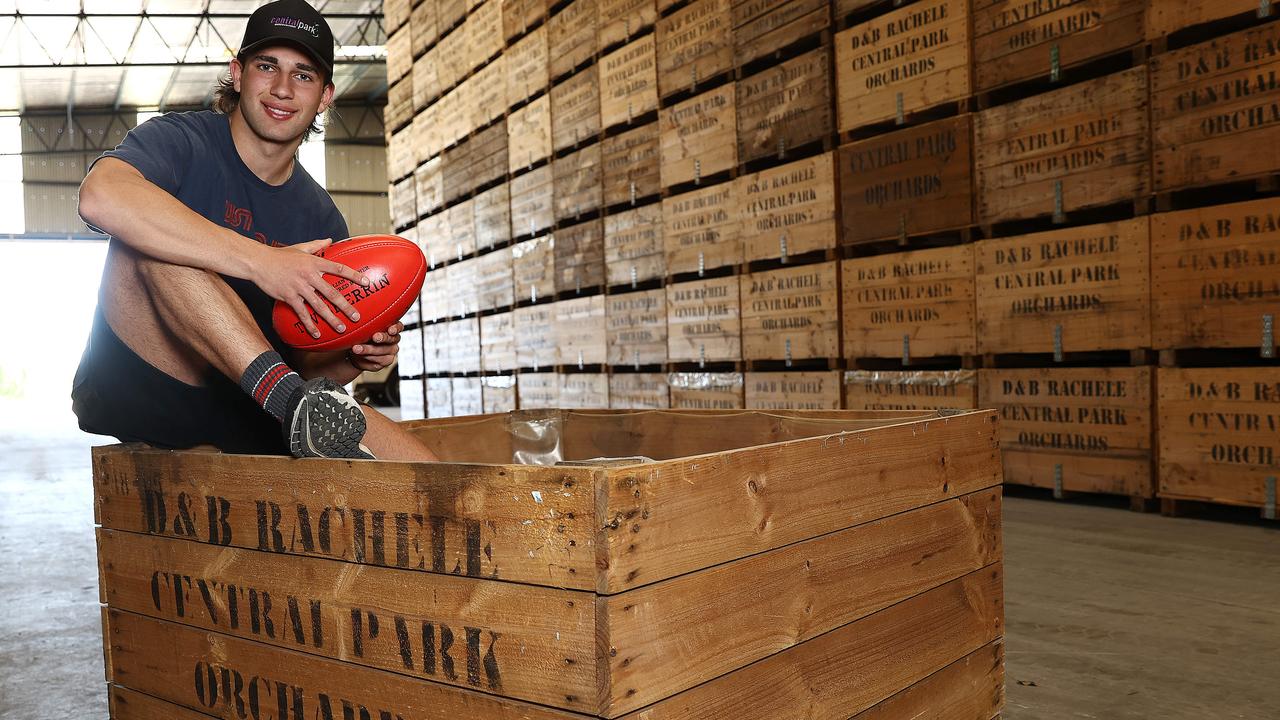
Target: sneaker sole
[{"x": 330, "y": 426}]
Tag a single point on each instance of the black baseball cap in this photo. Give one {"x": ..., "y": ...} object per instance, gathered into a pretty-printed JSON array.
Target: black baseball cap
[{"x": 293, "y": 22}]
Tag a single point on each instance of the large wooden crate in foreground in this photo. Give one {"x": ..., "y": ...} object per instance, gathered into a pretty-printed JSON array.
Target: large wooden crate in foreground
[{"x": 764, "y": 565}]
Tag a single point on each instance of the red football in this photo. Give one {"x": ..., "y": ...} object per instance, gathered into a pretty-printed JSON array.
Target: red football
[{"x": 396, "y": 269}]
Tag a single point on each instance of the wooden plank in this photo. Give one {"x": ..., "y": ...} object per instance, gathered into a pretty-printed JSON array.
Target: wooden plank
[
  {"x": 631, "y": 165},
  {"x": 628, "y": 82},
  {"x": 399, "y": 56},
  {"x": 493, "y": 217},
  {"x": 972, "y": 687},
  {"x": 575, "y": 109},
  {"x": 1015, "y": 41},
  {"x": 397, "y": 13},
  {"x": 532, "y": 206},
  {"x": 703, "y": 321},
  {"x": 495, "y": 286},
  {"x": 639, "y": 391},
  {"x": 793, "y": 390},
  {"x": 1078, "y": 289},
  {"x": 636, "y": 324},
  {"x": 789, "y": 210},
  {"x": 633, "y": 245},
  {"x": 458, "y": 179},
  {"x": 428, "y": 183},
  {"x": 160, "y": 659},
  {"x": 580, "y": 331},
  {"x": 706, "y": 391},
  {"x": 579, "y": 183},
  {"x": 484, "y": 34},
  {"x": 399, "y": 104},
  {"x": 498, "y": 393},
  {"x": 695, "y": 44},
  {"x": 462, "y": 234},
  {"x": 529, "y": 129},
  {"x": 583, "y": 390},
  {"x": 701, "y": 229},
  {"x": 538, "y": 390},
  {"x": 762, "y": 27},
  {"x": 791, "y": 314},
  {"x": 424, "y": 29},
  {"x": 1093, "y": 423},
  {"x": 489, "y": 154},
  {"x": 622, "y": 19},
  {"x": 1218, "y": 433},
  {"x": 167, "y": 494},
  {"x": 466, "y": 397},
  {"x": 917, "y": 57},
  {"x": 579, "y": 257},
  {"x": 918, "y": 303},
  {"x": 911, "y": 390},
  {"x": 435, "y": 344},
  {"x": 533, "y": 268},
  {"x": 439, "y": 397},
  {"x": 1215, "y": 276},
  {"x": 498, "y": 342},
  {"x": 410, "y": 359},
  {"x": 537, "y": 644},
  {"x": 1213, "y": 108},
  {"x": 464, "y": 345},
  {"x": 126, "y": 704},
  {"x": 910, "y": 182},
  {"x": 1091, "y": 140},
  {"x": 490, "y": 91},
  {"x": 536, "y": 337},
  {"x": 403, "y": 203},
  {"x": 1169, "y": 16},
  {"x": 699, "y": 137},
  {"x": 519, "y": 15},
  {"x": 571, "y": 34},
  {"x": 435, "y": 295},
  {"x": 426, "y": 81},
  {"x": 451, "y": 12},
  {"x": 528, "y": 67},
  {"x": 785, "y": 106},
  {"x": 463, "y": 300},
  {"x": 413, "y": 398},
  {"x": 400, "y": 154},
  {"x": 433, "y": 237},
  {"x": 716, "y": 635}
]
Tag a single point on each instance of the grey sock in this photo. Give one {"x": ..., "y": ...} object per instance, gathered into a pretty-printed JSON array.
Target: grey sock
[{"x": 270, "y": 383}]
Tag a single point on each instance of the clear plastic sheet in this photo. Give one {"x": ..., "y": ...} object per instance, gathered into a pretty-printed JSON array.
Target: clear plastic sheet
[
  {"x": 940, "y": 378},
  {"x": 704, "y": 381},
  {"x": 536, "y": 437}
]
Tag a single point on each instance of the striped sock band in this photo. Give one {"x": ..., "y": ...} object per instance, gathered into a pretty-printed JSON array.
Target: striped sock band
[{"x": 270, "y": 383}]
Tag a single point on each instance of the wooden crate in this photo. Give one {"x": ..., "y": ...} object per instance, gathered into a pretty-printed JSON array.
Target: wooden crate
[
  {"x": 493, "y": 217},
  {"x": 579, "y": 257},
  {"x": 464, "y": 345},
  {"x": 1215, "y": 276},
  {"x": 1212, "y": 110},
  {"x": 911, "y": 182},
  {"x": 695, "y": 44},
  {"x": 912, "y": 59},
  {"x": 706, "y": 391},
  {"x": 423, "y": 28},
  {"x": 433, "y": 238},
  {"x": 789, "y": 210},
  {"x": 529, "y": 135},
  {"x": 410, "y": 359},
  {"x": 911, "y": 390},
  {"x": 489, "y": 86},
  {"x": 495, "y": 285},
  {"x": 426, "y": 81},
  {"x": 498, "y": 342},
  {"x": 467, "y": 397},
  {"x": 584, "y": 390},
  {"x": 639, "y": 391},
  {"x": 451, "y": 53},
  {"x": 1169, "y": 16},
  {"x": 462, "y": 230},
  {"x": 628, "y": 82},
  {"x": 400, "y": 155},
  {"x": 791, "y": 314},
  {"x": 572, "y": 36},
  {"x": 399, "y": 108},
  {"x": 633, "y": 245},
  {"x": 439, "y": 401},
  {"x": 762, "y": 27},
  {"x": 532, "y": 202},
  {"x": 793, "y": 390},
  {"x": 575, "y": 109},
  {"x": 489, "y": 155},
  {"x": 1219, "y": 434},
  {"x": 1083, "y": 146},
  {"x": 579, "y": 183},
  {"x": 396, "y": 14},
  {"x": 435, "y": 295},
  {"x": 1078, "y": 289},
  {"x": 425, "y": 137},
  {"x": 498, "y": 393},
  {"x": 413, "y": 406},
  {"x": 699, "y": 137},
  {"x": 456, "y": 169},
  {"x": 428, "y": 183},
  {"x": 785, "y": 107},
  {"x": 528, "y": 67},
  {"x": 536, "y": 337},
  {"x": 636, "y": 324},
  {"x": 520, "y": 15},
  {"x": 399, "y": 56},
  {"x": 700, "y": 229},
  {"x": 631, "y": 165},
  {"x": 704, "y": 321},
  {"x": 580, "y": 334},
  {"x": 1075, "y": 429},
  {"x": 533, "y": 268},
  {"x": 1015, "y": 41},
  {"x": 913, "y": 304},
  {"x": 404, "y": 210},
  {"x": 484, "y": 33},
  {"x": 622, "y": 19},
  {"x": 435, "y": 344},
  {"x": 450, "y": 13},
  {"x": 538, "y": 390}
]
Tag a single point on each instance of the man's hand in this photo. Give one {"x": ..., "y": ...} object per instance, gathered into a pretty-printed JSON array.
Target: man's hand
[
  {"x": 295, "y": 276},
  {"x": 380, "y": 352},
  {"x": 343, "y": 367}
]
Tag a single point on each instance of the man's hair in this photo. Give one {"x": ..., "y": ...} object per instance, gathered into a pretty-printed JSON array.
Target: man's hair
[{"x": 226, "y": 99}]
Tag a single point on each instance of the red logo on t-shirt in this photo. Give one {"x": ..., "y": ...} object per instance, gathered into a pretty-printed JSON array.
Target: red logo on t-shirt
[{"x": 242, "y": 219}]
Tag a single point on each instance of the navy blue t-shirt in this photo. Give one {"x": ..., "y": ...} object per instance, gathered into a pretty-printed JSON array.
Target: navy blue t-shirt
[{"x": 192, "y": 157}]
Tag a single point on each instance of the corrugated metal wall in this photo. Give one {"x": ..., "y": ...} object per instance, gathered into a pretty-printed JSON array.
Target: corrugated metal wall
[{"x": 57, "y": 152}]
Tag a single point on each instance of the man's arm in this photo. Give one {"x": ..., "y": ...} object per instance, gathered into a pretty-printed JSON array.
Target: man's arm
[{"x": 117, "y": 199}]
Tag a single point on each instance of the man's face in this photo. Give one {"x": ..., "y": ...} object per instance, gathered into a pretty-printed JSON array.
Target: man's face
[{"x": 281, "y": 91}]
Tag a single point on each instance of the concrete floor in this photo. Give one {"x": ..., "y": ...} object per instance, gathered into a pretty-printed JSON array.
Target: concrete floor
[{"x": 1110, "y": 614}]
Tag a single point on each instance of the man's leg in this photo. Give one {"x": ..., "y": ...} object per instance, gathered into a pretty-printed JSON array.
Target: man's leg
[{"x": 388, "y": 441}]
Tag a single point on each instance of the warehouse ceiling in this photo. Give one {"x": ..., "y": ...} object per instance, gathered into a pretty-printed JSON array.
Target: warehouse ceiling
[{"x": 69, "y": 54}]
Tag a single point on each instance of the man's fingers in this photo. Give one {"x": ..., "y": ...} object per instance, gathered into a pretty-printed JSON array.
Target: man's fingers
[
  {"x": 343, "y": 271},
  {"x": 322, "y": 309},
  {"x": 300, "y": 309},
  {"x": 339, "y": 302},
  {"x": 314, "y": 246}
]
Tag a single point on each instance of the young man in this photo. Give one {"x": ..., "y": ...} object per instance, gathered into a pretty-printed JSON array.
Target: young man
[{"x": 211, "y": 220}]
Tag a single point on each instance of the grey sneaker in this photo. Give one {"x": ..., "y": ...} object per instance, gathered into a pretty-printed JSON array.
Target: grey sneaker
[{"x": 322, "y": 420}]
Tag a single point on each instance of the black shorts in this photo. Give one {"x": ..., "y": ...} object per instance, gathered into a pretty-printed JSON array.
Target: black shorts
[{"x": 117, "y": 393}]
